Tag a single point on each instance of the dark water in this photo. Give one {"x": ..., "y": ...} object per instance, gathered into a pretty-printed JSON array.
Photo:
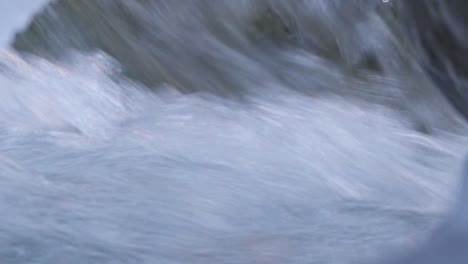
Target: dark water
[{"x": 221, "y": 132}]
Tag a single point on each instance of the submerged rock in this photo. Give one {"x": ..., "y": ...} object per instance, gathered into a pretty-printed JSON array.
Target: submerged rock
[
  {"x": 87, "y": 26},
  {"x": 182, "y": 44},
  {"x": 439, "y": 31}
]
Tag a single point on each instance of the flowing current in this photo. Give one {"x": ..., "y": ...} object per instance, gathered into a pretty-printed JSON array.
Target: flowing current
[{"x": 223, "y": 138}]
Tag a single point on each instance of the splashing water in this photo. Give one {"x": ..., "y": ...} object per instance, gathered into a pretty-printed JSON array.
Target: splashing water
[{"x": 97, "y": 168}]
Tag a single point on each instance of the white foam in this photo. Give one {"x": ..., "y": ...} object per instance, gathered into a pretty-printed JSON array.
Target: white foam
[{"x": 91, "y": 163}]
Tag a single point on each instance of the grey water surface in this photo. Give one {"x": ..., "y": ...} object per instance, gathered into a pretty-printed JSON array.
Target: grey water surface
[{"x": 221, "y": 132}]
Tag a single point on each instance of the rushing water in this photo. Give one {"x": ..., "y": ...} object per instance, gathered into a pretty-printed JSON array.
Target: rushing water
[{"x": 320, "y": 166}]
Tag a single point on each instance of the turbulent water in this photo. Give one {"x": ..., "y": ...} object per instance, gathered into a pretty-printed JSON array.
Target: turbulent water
[{"x": 311, "y": 161}]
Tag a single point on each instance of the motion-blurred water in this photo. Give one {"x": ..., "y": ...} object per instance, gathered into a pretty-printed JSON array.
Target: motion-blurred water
[{"x": 314, "y": 164}]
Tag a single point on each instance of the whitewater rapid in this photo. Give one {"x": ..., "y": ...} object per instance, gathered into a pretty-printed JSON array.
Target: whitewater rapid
[{"x": 96, "y": 168}]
